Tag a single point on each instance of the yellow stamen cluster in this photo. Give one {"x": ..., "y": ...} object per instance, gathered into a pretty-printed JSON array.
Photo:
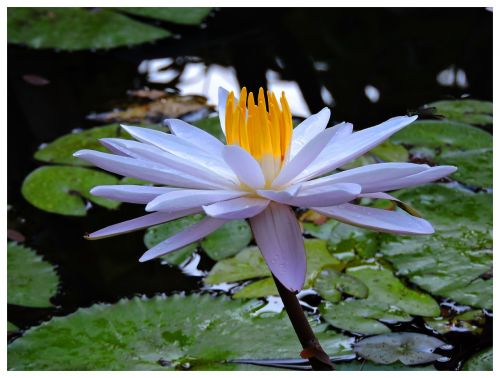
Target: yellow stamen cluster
[{"x": 258, "y": 130}]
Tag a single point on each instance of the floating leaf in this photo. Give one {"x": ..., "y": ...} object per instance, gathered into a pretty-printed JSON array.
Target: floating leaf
[
  {"x": 482, "y": 361},
  {"x": 258, "y": 289},
  {"x": 163, "y": 333},
  {"x": 249, "y": 263},
  {"x": 466, "y": 322},
  {"x": 388, "y": 300},
  {"x": 31, "y": 281},
  {"x": 347, "y": 238},
  {"x": 370, "y": 366},
  {"x": 409, "y": 348},
  {"x": 63, "y": 190},
  {"x": 187, "y": 16},
  {"x": 159, "y": 233},
  {"x": 330, "y": 284},
  {"x": 227, "y": 240},
  {"x": 390, "y": 152},
  {"x": 77, "y": 28},
  {"x": 451, "y": 263},
  {"x": 473, "y": 112},
  {"x": 317, "y": 225},
  {"x": 449, "y": 143}
]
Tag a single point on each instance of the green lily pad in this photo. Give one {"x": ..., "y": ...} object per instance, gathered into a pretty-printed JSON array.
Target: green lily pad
[
  {"x": 227, "y": 240},
  {"x": 388, "y": 300},
  {"x": 197, "y": 332},
  {"x": 406, "y": 347},
  {"x": 249, "y": 263},
  {"x": 452, "y": 143},
  {"x": 482, "y": 361},
  {"x": 390, "y": 152},
  {"x": 159, "y": 233},
  {"x": 473, "y": 112},
  {"x": 469, "y": 321},
  {"x": 77, "y": 28},
  {"x": 63, "y": 190},
  {"x": 186, "y": 16},
  {"x": 11, "y": 327},
  {"x": 455, "y": 261},
  {"x": 347, "y": 238},
  {"x": 370, "y": 366},
  {"x": 330, "y": 284},
  {"x": 31, "y": 281}
]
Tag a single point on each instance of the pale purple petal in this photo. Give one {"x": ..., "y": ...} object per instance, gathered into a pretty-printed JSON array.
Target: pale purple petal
[
  {"x": 143, "y": 170},
  {"x": 183, "y": 238},
  {"x": 221, "y": 108},
  {"x": 308, "y": 129},
  {"x": 281, "y": 196},
  {"x": 238, "y": 208},
  {"x": 141, "y": 194},
  {"x": 304, "y": 157},
  {"x": 396, "y": 222},
  {"x": 278, "y": 235},
  {"x": 346, "y": 149},
  {"x": 140, "y": 222},
  {"x": 244, "y": 166},
  {"x": 143, "y": 151},
  {"x": 187, "y": 198},
  {"x": 194, "y": 134}
]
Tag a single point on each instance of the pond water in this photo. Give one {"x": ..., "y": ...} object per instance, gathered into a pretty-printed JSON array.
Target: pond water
[{"x": 367, "y": 65}]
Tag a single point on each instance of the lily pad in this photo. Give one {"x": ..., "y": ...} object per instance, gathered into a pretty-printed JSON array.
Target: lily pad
[
  {"x": 370, "y": 366},
  {"x": 330, "y": 284},
  {"x": 11, "y": 327},
  {"x": 406, "y": 347},
  {"x": 317, "y": 225},
  {"x": 455, "y": 261},
  {"x": 469, "y": 321},
  {"x": 482, "y": 361},
  {"x": 452, "y": 143},
  {"x": 77, "y": 28},
  {"x": 31, "y": 281},
  {"x": 249, "y": 263},
  {"x": 347, "y": 238},
  {"x": 473, "y": 112},
  {"x": 227, "y": 240},
  {"x": 197, "y": 332},
  {"x": 186, "y": 16},
  {"x": 388, "y": 300},
  {"x": 159, "y": 233},
  {"x": 63, "y": 190}
]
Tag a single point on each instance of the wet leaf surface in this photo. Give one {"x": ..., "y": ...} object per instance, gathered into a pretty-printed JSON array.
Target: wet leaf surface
[
  {"x": 227, "y": 240},
  {"x": 330, "y": 284},
  {"x": 473, "y": 112},
  {"x": 178, "y": 15},
  {"x": 64, "y": 190},
  {"x": 77, "y": 28},
  {"x": 482, "y": 361},
  {"x": 163, "y": 333},
  {"x": 31, "y": 281},
  {"x": 408, "y": 348}
]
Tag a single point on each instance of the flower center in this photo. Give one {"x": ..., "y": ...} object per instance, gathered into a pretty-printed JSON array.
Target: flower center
[{"x": 265, "y": 132}]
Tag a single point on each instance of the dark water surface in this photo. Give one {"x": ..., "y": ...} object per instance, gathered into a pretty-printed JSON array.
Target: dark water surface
[{"x": 399, "y": 52}]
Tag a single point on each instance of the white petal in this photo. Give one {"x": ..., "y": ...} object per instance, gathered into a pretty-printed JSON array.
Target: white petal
[
  {"x": 353, "y": 146},
  {"x": 183, "y": 238},
  {"x": 177, "y": 146},
  {"x": 304, "y": 157},
  {"x": 143, "y": 151},
  {"x": 139, "y": 223},
  {"x": 396, "y": 222},
  {"x": 308, "y": 129},
  {"x": 221, "y": 108},
  {"x": 371, "y": 176},
  {"x": 141, "y": 169},
  {"x": 244, "y": 166},
  {"x": 238, "y": 208},
  {"x": 194, "y": 134},
  {"x": 281, "y": 196},
  {"x": 429, "y": 175},
  {"x": 182, "y": 199},
  {"x": 130, "y": 193},
  {"x": 278, "y": 235}
]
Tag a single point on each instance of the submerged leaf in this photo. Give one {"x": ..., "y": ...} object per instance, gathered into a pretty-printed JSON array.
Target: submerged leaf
[
  {"x": 163, "y": 333},
  {"x": 31, "y": 281},
  {"x": 409, "y": 348},
  {"x": 63, "y": 190}
]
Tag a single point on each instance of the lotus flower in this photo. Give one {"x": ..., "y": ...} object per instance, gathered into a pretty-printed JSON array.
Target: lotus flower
[{"x": 265, "y": 168}]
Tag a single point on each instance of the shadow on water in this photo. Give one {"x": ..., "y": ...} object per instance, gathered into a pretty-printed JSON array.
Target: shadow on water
[{"x": 336, "y": 57}]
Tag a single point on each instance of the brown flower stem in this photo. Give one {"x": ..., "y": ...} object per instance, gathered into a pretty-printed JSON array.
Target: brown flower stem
[{"x": 313, "y": 351}]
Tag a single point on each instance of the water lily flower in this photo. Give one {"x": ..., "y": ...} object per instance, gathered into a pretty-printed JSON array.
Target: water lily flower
[{"x": 265, "y": 168}]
